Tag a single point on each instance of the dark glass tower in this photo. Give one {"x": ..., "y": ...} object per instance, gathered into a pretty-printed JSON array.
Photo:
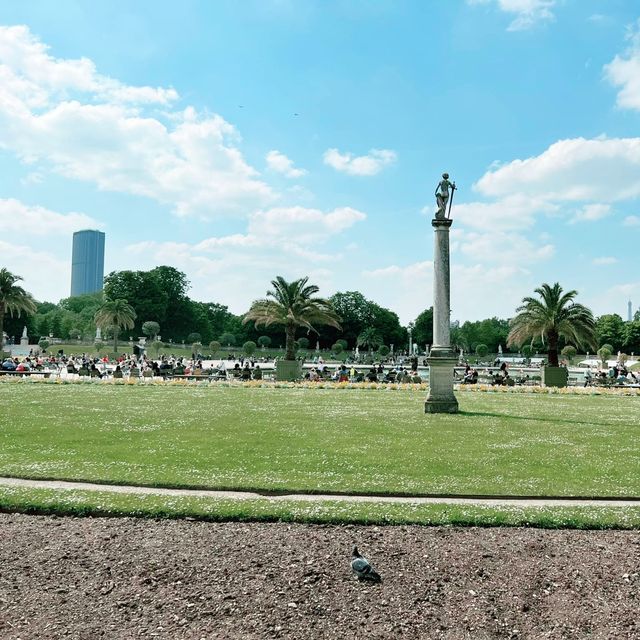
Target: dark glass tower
[{"x": 87, "y": 262}]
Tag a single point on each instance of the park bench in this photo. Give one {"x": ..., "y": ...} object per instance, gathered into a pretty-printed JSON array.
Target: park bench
[{"x": 46, "y": 374}]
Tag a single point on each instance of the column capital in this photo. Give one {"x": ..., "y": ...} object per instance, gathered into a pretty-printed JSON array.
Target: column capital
[{"x": 441, "y": 222}]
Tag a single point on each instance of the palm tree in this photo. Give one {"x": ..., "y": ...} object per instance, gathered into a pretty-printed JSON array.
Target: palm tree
[
  {"x": 370, "y": 338},
  {"x": 13, "y": 299},
  {"x": 551, "y": 316},
  {"x": 291, "y": 304},
  {"x": 115, "y": 314}
]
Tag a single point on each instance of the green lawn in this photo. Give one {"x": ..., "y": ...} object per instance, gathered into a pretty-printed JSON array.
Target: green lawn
[{"x": 323, "y": 440}]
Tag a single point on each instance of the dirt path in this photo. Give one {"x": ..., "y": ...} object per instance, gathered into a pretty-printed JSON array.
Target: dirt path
[
  {"x": 91, "y": 578},
  {"x": 245, "y": 495}
]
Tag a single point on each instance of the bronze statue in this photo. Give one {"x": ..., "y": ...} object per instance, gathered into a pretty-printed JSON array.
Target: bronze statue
[{"x": 442, "y": 196}]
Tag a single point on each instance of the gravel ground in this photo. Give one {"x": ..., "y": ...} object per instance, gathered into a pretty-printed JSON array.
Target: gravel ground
[{"x": 93, "y": 578}]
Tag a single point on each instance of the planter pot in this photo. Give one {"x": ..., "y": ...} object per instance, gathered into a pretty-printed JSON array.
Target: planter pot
[
  {"x": 554, "y": 376},
  {"x": 288, "y": 370}
]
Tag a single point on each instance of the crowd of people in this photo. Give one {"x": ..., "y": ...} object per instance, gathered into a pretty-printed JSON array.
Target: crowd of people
[{"x": 617, "y": 374}]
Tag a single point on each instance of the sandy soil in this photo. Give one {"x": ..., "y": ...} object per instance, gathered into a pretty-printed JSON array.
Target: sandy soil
[{"x": 125, "y": 578}]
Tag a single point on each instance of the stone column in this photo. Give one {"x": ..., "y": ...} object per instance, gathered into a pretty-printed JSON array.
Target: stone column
[{"x": 441, "y": 358}]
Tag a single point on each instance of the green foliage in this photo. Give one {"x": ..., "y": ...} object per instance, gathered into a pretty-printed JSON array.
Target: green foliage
[
  {"x": 369, "y": 339},
  {"x": 264, "y": 341},
  {"x": 114, "y": 315},
  {"x": 610, "y": 329},
  {"x": 292, "y": 305},
  {"x": 249, "y": 347},
  {"x": 356, "y": 313},
  {"x": 491, "y": 332},
  {"x": 344, "y": 343},
  {"x": 150, "y": 328},
  {"x": 482, "y": 350},
  {"x": 303, "y": 343},
  {"x": 14, "y": 300},
  {"x": 527, "y": 350},
  {"x": 98, "y": 345},
  {"x": 604, "y": 354},
  {"x": 423, "y": 328},
  {"x": 553, "y": 315},
  {"x": 569, "y": 351},
  {"x": 337, "y": 348},
  {"x": 214, "y": 347},
  {"x": 194, "y": 337},
  {"x": 43, "y": 343},
  {"x": 228, "y": 339},
  {"x": 631, "y": 337},
  {"x": 384, "y": 351}
]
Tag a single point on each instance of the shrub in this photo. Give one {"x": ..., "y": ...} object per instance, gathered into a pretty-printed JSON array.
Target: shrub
[
  {"x": 604, "y": 354},
  {"x": 337, "y": 348},
  {"x": 569, "y": 351},
  {"x": 264, "y": 341},
  {"x": 249, "y": 347},
  {"x": 482, "y": 350},
  {"x": 384, "y": 350},
  {"x": 43, "y": 343},
  {"x": 228, "y": 339},
  {"x": 303, "y": 343},
  {"x": 214, "y": 347},
  {"x": 527, "y": 351},
  {"x": 194, "y": 337},
  {"x": 343, "y": 342}
]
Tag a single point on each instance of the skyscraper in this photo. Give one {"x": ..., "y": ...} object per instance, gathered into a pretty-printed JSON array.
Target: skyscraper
[{"x": 87, "y": 262}]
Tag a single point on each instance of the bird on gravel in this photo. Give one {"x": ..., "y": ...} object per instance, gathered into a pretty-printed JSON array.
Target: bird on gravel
[{"x": 362, "y": 568}]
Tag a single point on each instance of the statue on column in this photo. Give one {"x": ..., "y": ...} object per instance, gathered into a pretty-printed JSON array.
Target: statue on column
[{"x": 442, "y": 196}]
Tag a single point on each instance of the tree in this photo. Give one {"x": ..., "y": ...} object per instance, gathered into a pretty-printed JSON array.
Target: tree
[
  {"x": 150, "y": 329},
  {"x": 527, "y": 350},
  {"x": 303, "y": 343},
  {"x": 481, "y": 350},
  {"x": 194, "y": 337},
  {"x": 610, "y": 330},
  {"x": 337, "y": 348},
  {"x": 384, "y": 351},
  {"x": 43, "y": 343},
  {"x": 264, "y": 341},
  {"x": 632, "y": 336},
  {"x": 370, "y": 339},
  {"x": 249, "y": 347},
  {"x": 13, "y": 298},
  {"x": 115, "y": 315},
  {"x": 228, "y": 339},
  {"x": 604, "y": 353},
  {"x": 551, "y": 316},
  {"x": 569, "y": 351},
  {"x": 214, "y": 347},
  {"x": 423, "y": 328},
  {"x": 292, "y": 305}
]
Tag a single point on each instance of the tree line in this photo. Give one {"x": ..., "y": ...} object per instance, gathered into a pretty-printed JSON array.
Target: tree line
[{"x": 162, "y": 307}]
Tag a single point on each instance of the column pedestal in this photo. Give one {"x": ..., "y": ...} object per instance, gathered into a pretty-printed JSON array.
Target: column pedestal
[{"x": 442, "y": 358}]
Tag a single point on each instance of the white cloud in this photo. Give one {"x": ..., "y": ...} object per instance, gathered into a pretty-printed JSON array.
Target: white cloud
[
  {"x": 302, "y": 224},
  {"x": 279, "y": 163},
  {"x": 19, "y": 218},
  {"x": 591, "y": 212},
  {"x": 527, "y": 12},
  {"x": 46, "y": 277},
  {"x": 623, "y": 72},
  {"x": 601, "y": 169},
  {"x": 605, "y": 260},
  {"x": 631, "y": 221},
  {"x": 514, "y": 211},
  {"x": 90, "y": 127},
  {"x": 368, "y": 165},
  {"x": 502, "y": 248},
  {"x": 286, "y": 241}
]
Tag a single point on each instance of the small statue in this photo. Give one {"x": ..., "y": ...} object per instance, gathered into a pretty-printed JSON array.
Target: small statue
[{"x": 442, "y": 195}]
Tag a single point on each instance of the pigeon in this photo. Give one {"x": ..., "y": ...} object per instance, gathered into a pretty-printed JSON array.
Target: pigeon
[{"x": 362, "y": 568}]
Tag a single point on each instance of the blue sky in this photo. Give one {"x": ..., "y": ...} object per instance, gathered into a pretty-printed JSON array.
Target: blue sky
[{"x": 242, "y": 140}]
